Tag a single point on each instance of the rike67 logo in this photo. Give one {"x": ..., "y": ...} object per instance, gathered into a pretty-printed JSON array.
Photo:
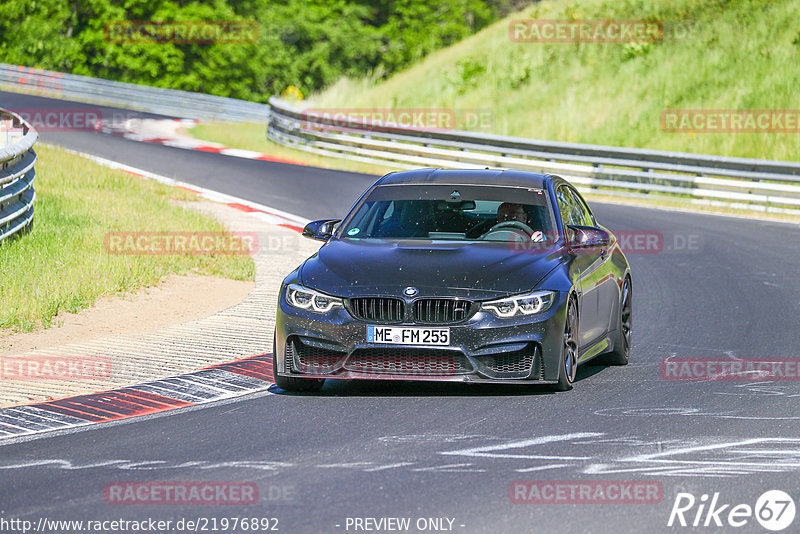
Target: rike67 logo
[{"x": 774, "y": 510}]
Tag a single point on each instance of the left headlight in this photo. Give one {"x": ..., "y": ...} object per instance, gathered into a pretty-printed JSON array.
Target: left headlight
[
  {"x": 528, "y": 304},
  {"x": 308, "y": 299}
]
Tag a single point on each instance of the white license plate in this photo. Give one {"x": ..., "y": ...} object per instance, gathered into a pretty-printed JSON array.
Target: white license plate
[{"x": 402, "y": 335}]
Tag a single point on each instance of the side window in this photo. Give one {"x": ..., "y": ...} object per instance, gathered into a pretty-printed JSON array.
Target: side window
[
  {"x": 583, "y": 213},
  {"x": 567, "y": 207}
]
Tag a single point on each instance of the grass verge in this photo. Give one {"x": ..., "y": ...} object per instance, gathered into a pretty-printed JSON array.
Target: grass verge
[{"x": 63, "y": 264}]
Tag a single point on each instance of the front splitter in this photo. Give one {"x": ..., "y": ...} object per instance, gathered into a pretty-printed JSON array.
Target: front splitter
[{"x": 460, "y": 379}]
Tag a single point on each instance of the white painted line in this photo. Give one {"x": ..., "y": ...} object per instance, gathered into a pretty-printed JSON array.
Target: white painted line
[
  {"x": 345, "y": 465},
  {"x": 240, "y": 153},
  {"x": 701, "y": 448},
  {"x": 179, "y": 143},
  {"x": 450, "y": 468},
  {"x": 389, "y": 466},
  {"x": 540, "y": 468},
  {"x": 490, "y": 451}
]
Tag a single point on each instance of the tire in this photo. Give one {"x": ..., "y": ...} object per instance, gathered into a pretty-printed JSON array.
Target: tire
[
  {"x": 294, "y": 384},
  {"x": 568, "y": 363},
  {"x": 622, "y": 337}
]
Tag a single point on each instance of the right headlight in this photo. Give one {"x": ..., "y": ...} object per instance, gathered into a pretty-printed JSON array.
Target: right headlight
[
  {"x": 308, "y": 299},
  {"x": 528, "y": 304}
]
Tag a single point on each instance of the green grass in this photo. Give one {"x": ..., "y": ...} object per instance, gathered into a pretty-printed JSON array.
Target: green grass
[
  {"x": 716, "y": 54},
  {"x": 62, "y": 265}
]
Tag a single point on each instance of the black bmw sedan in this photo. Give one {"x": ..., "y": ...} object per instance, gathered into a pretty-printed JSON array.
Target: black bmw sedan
[{"x": 458, "y": 275}]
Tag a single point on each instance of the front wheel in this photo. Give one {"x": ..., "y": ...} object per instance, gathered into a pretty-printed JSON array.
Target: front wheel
[
  {"x": 623, "y": 335},
  {"x": 568, "y": 367},
  {"x": 293, "y": 384}
]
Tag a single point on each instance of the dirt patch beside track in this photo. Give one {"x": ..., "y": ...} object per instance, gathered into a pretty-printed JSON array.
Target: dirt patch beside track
[{"x": 174, "y": 300}]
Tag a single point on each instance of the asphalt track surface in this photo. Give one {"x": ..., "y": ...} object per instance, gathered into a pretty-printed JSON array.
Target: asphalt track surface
[{"x": 377, "y": 450}]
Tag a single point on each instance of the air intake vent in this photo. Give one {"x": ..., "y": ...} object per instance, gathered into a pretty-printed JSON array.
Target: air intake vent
[
  {"x": 302, "y": 358},
  {"x": 408, "y": 362},
  {"x": 525, "y": 363},
  {"x": 441, "y": 311},
  {"x": 378, "y": 309}
]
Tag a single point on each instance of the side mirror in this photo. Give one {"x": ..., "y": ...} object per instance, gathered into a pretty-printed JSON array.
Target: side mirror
[
  {"x": 321, "y": 230},
  {"x": 587, "y": 238}
]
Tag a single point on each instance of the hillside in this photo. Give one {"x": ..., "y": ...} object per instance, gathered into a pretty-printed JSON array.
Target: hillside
[{"x": 714, "y": 55}]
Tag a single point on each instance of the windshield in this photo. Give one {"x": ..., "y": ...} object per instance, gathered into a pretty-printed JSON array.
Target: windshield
[{"x": 453, "y": 213}]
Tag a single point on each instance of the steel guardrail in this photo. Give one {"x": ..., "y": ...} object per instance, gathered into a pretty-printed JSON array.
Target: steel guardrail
[
  {"x": 17, "y": 160},
  {"x": 170, "y": 102},
  {"x": 763, "y": 185}
]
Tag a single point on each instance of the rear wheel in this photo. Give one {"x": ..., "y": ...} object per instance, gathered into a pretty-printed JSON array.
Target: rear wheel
[
  {"x": 568, "y": 367},
  {"x": 293, "y": 384},
  {"x": 623, "y": 335}
]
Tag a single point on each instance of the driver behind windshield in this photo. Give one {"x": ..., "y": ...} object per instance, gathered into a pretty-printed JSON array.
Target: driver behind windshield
[
  {"x": 513, "y": 212},
  {"x": 510, "y": 211}
]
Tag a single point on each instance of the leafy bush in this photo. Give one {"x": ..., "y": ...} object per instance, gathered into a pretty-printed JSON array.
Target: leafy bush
[{"x": 306, "y": 43}]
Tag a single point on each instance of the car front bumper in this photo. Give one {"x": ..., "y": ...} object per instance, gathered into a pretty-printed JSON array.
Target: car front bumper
[{"x": 485, "y": 348}]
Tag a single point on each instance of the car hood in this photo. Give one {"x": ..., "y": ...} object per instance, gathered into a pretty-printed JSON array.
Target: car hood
[{"x": 481, "y": 270}]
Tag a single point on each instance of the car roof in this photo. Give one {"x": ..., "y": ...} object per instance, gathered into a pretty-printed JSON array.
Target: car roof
[{"x": 509, "y": 178}]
